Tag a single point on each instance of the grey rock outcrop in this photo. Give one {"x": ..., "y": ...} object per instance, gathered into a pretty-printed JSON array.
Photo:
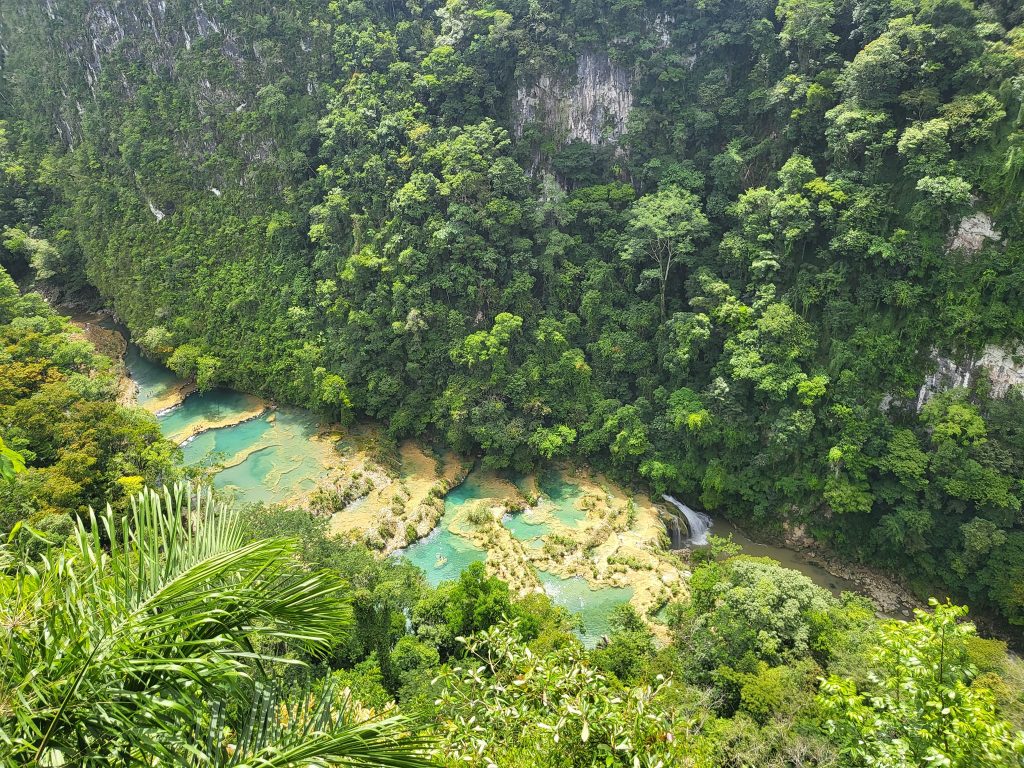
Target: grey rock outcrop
[
  {"x": 971, "y": 234},
  {"x": 592, "y": 106},
  {"x": 1004, "y": 368},
  {"x": 948, "y": 374}
]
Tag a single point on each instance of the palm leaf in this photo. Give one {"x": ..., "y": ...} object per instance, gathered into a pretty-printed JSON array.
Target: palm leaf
[
  {"x": 315, "y": 730},
  {"x": 121, "y": 640}
]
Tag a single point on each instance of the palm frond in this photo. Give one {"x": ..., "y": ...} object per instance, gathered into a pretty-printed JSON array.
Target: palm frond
[
  {"x": 307, "y": 729},
  {"x": 124, "y": 636}
]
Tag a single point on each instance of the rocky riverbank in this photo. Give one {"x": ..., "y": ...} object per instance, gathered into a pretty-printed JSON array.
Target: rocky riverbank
[
  {"x": 170, "y": 399},
  {"x": 891, "y": 597},
  {"x": 387, "y": 496}
]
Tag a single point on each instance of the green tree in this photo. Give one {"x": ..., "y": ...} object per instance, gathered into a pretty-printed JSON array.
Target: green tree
[
  {"x": 506, "y": 705},
  {"x": 924, "y": 145},
  {"x": 663, "y": 228},
  {"x": 475, "y": 601},
  {"x": 807, "y": 27},
  {"x": 11, "y": 462},
  {"x": 44, "y": 259},
  {"x": 769, "y": 353},
  {"x": 491, "y": 346},
  {"x": 331, "y": 392},
  {"x": 918, "y": 706},
  {"x": 146, "y": 641},
  {"x": 157, "y": 340},
  {"x": 770, "y": 612}
]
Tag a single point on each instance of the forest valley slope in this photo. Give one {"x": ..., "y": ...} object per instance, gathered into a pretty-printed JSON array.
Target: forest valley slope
[{"x": 763, "y": 255}]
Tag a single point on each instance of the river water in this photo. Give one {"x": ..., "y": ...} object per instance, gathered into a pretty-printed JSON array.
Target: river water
[
  {"x": 259, "y": 454},
  {"x": 267, "y": 458},
  {"x": 444, "y": 554}
]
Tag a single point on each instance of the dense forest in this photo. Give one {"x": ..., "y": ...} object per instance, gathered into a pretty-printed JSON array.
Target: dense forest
[
  {"x": 171, "y": 630},
  {"x": 59, "y": 420},
  {"x": 126, "y": 633},
  {"x": 764, "y": 256},
  {"x": 198, "y": 636}
]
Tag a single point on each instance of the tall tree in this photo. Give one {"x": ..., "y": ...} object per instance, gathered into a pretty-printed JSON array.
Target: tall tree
[
  {"x": 663, "y": 228},
  {"x": 918, "y": 707}
]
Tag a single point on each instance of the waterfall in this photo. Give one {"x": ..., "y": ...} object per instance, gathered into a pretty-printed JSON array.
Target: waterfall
[
  {"x": 697, "y": 523},
  {"x": 677, "y": 533}
]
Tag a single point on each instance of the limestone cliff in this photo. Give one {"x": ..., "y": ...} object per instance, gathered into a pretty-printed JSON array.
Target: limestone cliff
[
  {"x": 971, "y": 234},
  {"x": 591, "y": 104},
  {"x": 1003, "y": 366}
]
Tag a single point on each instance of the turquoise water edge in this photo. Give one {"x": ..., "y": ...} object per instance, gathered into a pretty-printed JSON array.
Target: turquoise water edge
[{"x": 267, "y": 458}]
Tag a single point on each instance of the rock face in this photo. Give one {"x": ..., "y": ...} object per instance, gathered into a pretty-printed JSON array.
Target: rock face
[
  {"x": 85, "y": 37},
  {"x": 970, "y": 234},
  {"x": 1004, "y": 368},
  {"x": 594, "y": 107},
  {"x": 662, "y": 28},
  {"x": 948, "y": 374}
]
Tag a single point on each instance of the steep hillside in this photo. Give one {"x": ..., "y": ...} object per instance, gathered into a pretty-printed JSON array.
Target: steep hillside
[{"x": 766, "y": 256}]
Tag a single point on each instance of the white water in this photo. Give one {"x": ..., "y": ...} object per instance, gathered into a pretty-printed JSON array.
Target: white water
[{"x": 698, "y": 523}]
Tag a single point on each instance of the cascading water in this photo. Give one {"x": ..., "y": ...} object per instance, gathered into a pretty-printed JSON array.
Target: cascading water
[
  {"x": 697, "y": 523},
  {"x": 677, "y": 533}
]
